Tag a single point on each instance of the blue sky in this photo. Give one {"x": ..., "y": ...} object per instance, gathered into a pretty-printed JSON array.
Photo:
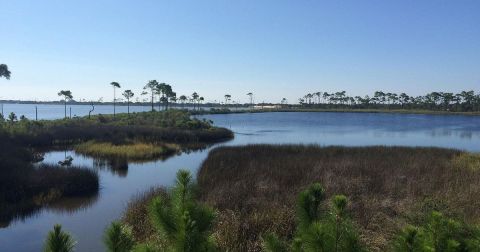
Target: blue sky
[{"x": 272, "y": 48}]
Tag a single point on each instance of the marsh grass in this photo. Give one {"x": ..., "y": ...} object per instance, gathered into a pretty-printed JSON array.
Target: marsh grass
[
  {"x": 130, "y": 151},
  {"x": 468, "y": 160},
  {"x": 23, "y": 194},
  {"x": 149, "y": 127},
  {"x": 136, "y": 215},
  {"x": 254, "y": 187}
]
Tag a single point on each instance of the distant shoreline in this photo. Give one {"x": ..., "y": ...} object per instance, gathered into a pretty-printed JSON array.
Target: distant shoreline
[
  {"x": 211, "y": 108},
  {"x": 385, "y": 111}
]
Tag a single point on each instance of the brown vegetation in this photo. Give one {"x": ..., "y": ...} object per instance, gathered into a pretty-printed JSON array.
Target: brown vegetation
[
  {"x": 136, "y": 214},
  {"x": 255, "y": 188}
]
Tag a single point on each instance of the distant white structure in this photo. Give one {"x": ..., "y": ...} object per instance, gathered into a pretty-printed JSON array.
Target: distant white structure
[{"x": 267, "y": 106}]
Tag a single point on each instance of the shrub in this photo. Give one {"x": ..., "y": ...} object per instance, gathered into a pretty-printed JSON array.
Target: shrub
[
  {"x": 185, "y": 223},
  {"x": 318, "y": 230},
  {"x": 59, "y": 241},
  {"x": 118, "y": 238},
  {"x": 136, "y": 214},
  {"x": 439, "y": 233}
]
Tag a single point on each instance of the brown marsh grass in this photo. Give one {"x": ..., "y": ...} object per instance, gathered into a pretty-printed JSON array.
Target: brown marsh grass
[{"x": 255, "y": 188}]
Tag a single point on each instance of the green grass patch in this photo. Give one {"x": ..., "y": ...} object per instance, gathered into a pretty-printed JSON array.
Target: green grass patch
[{"x": 129, "y": 151}]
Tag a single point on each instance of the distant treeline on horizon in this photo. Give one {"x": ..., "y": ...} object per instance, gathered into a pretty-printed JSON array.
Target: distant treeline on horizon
[{"x": 464, "y": 101}]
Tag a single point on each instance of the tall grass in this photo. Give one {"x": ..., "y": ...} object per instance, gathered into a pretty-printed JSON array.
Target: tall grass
[
  {"x": 25, "y": 187},
  {"x": 24, "y": 191},
  {"x": 133, "y": 151},
  {"x": 136, "y": 214},
  {"x": 255, "y": 187}
]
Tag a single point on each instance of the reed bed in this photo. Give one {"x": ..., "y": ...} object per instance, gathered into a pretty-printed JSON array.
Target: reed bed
[
  {"x": 27, "y": 189},
  {"x": 255, "y": 187}
]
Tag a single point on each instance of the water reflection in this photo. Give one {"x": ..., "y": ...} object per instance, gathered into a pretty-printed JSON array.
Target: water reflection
[
  {"x": 117, "y": 166},
  {"x": 72, "y": 205},
  {"x": 21, "y": 211}
]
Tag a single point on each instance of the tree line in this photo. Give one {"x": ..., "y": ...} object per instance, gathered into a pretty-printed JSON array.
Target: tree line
[
  {"x": 465, "y": 101},
  {"x": 163, "y": 94},
  {"x": 160, "y": 94}
]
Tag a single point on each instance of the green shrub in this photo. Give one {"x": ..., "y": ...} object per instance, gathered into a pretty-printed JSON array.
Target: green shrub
[
  {"x": 59, "y": 241},
  {"x": 318, "y": 229},
  {"x": 185, "y": 223},
  {"x": 439, "y": 233},
  {"x": 118, "y": 238}
]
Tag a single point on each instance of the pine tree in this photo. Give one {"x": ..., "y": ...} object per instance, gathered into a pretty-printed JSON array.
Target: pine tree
[
  {"x": 118, "y": 238},
  {"x": 319, "y": 230},
  {"x": 439, "y": 233},
  {"x": 59, "y": 241},
  {"x": 185, "y": 223}
]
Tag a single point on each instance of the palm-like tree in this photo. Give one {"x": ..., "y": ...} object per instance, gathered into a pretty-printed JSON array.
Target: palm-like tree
[
  {"x": 227, "y": 98},
  {"x": 67, "y": 96},
  {"x": 4, "y": 72},
  {"x": 128, "y": 94},
  {"x": 195, "y": 97},
  {"x": 114, "y": 85},
  {"x": 152, "y": 85},
  {"x": 167, "y": 93},
  {"x": 319, "y": 96},
  {"x": 200, "y": 101},
  {"x": 326, "y": 96},
  {"x": 250, "y": 94},
  {"x": 183, "y": 98}
]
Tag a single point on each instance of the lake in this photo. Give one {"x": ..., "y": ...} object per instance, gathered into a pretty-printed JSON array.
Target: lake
[{"x": 87, "y": 218}]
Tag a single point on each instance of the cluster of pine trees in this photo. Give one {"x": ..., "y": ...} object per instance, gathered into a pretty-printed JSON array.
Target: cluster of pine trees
[{"x": 463, "y": 102}]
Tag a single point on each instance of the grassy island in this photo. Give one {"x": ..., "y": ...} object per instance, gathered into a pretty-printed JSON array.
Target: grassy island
[
  {"x": 128, "y": 151},
  {"x": 172, "y": 126}
]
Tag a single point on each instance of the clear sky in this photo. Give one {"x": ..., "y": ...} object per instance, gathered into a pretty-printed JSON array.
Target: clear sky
[{"x": 272, "y": 48}]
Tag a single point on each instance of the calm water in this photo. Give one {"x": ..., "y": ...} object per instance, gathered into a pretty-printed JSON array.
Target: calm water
[
  {"x": 56, "y": 111},
  {"x": 87, "y": 218}
]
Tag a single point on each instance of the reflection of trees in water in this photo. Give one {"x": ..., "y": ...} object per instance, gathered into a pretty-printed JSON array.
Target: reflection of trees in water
[
  {"x": 73, "y": 204},
  {"x": 117, "y": 166},
  {"x": 433, "y": 133},
  {"x": 463, "y": 134},
  {"x": 194, "y": 147},
  {"x": 21, "y": 211}
]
